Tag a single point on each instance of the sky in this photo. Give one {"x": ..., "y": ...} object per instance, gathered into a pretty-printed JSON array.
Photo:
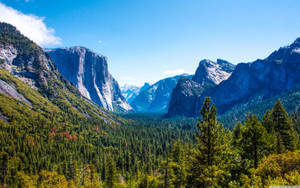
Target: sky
[{"x": 147, "y": 40}]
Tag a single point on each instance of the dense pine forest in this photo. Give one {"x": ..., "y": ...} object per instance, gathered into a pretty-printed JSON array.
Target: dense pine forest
[{"x": 145, "y": 152}]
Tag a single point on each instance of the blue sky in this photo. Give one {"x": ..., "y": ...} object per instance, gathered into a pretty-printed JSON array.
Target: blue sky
[{"x": 146, "y": 40}]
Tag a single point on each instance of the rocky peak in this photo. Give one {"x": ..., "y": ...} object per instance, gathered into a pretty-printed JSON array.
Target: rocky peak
[
  {"x": 88, "y": 71},
  {"x": 211, "y": 73}
]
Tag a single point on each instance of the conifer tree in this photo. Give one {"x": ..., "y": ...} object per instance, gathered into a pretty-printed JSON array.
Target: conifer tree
[
  {"x": 112, "y": 176},
  {"x": 283, "y": 126},
  {"x": 177, "y": 166},
  {"x": 206, "y": 165},
  {"x": 267, "y": 121},
  {"x": 236, "y": 132},
  {"x": 253, "y": 141}
]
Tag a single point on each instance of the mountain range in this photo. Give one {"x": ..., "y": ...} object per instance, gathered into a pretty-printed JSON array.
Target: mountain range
[
  {"x": 155, "y": 99},
  {"x": 77, "y": 80},
  {"x": 249, "y": 84},
  {"x": 131, "y": 91},
  {"x": 31, "y": 87}
]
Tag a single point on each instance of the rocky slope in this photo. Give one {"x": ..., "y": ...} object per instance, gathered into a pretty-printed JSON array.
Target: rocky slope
[
  {"x": 156, "y": 98},
  {"x": 260, "y": 79},
  {"x": 211, "y": 73},
  {"x": 256, "y": 82},
  {"x": 88, "y": 71},
  {"x": 185, "y": 97},
  {"x": 130, "y": 91},
  {"x": 28, "y": 75}
]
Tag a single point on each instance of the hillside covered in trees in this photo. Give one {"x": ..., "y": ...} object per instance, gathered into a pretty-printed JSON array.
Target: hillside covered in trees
[{"x": 153, "y": 153}]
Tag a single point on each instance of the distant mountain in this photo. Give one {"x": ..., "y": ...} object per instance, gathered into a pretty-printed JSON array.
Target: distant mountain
[
  {"x": 256, "y": 83},
  {"x": 32, "y": 88},
  {"x": 131, "y": 91},
  {"x": 88, "y": 71},
  {"x": 155, "y": 99},
  {"x": 260, "y": 79},
  {"x": 185, "y": 97}
]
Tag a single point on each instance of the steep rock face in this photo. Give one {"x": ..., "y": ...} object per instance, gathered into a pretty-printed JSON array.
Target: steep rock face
[
  {"x": 25, "y": 59},
  {"x": 260, "y": 79},
  {"x": 10, "y": 91},
  {"x": 88, "y": 71},
  {"x": 185, "y": 97},
  {"x": 130, "y": 91},
  {"x": 156, "y": 98},
  {"x": 29, "y": 76}
]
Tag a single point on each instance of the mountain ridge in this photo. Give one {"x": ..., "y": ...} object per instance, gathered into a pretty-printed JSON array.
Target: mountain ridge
[
  {"x": 208, "y": 74},
  {"x": 256, "y": 81}
]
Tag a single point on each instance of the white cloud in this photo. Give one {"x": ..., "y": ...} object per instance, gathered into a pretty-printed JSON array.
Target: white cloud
[
  {"x": 29, "y": 25},
  {"x": 174, "y": 72},
  {"x": 99, "y": 41}
]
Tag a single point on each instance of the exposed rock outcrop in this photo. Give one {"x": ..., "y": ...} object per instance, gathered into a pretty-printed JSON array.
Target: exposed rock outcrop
[
  {"x": 88, "y": 71},
  {"x": 185, "y": 97}
]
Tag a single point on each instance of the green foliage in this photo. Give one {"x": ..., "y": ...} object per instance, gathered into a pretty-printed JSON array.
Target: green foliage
[
  {"x": 51, "y": 135},
  {"x": 253, "y": 142},
  {"x": 206, "y": 164},
  {"x": 112, "y": 176},
  {"x": 285, "y": 135},
  {"x": 236, "y": 133},
  {"x": 277, "y": 169},
  {"x": 290, "y": 99}
]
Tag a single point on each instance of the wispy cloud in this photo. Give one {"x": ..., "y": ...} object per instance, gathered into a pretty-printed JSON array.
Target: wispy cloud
[
  {"x": 174, "y": 72},
  {"x": 99, "y": 41},
  {"x": 29, "y": 25}
]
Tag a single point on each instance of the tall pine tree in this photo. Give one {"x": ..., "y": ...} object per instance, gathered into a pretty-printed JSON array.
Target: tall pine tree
[
  {"x": 253, "y": 142},
  {"x": 112, "y": 176},
  {"x": 284, "y": 130},
  {"x": 206, "y": 167}
]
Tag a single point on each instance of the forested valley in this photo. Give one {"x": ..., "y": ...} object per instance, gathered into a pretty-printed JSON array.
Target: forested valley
[{"x": 152, "y": 151}]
